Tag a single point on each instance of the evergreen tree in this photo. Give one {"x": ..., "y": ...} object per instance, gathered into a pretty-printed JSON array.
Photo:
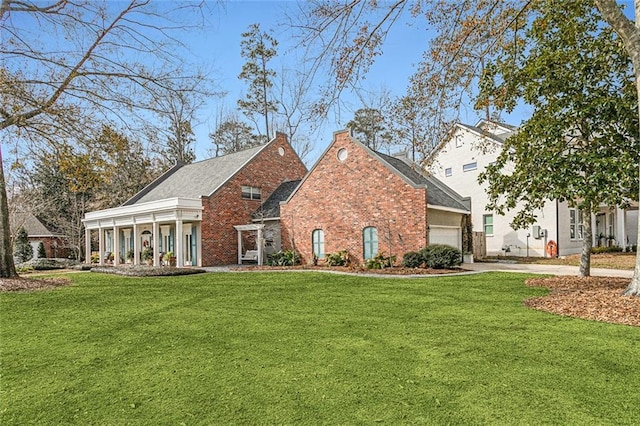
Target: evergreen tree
[
  {"x": 41, "y": 251},
  {"x": 258, "y": 48},
  {"x": 22, "y": 249}
]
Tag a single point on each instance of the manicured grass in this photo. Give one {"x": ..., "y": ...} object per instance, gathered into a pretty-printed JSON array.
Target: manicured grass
[{"x": 308, "y": 348}]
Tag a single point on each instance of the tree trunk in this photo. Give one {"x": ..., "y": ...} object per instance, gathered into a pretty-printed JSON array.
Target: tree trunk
[
  {"x": 585, "y": 257},
  {"x": 634, "y": 285},
  {"x": 7, "y": 268},
  {"x": 629, "y": 32}
]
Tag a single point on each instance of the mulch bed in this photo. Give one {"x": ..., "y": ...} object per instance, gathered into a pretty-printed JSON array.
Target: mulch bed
[
  {"x": 594, "y": 298},
  {"x": 353, "y": 270},
  {"x": 30, "y": 284}
]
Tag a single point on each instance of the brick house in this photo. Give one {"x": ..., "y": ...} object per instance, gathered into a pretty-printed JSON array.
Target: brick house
[
  {"x": 366, "y": 202},
  {"x": 55, "y": 244},
  {"x": 195, "y": 210}
]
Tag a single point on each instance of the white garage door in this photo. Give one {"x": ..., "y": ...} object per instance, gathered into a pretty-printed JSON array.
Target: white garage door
[{"x": 448, "y": 236}]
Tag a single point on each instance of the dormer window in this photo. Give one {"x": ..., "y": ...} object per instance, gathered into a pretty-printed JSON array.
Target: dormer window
[{"x": 251, "y": 193}]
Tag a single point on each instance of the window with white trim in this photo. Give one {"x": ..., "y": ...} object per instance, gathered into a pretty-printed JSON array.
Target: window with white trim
[
  {"x": 448, "y": 171},
  {"x": 370, "y": 242},
  {"x": 251, "y": 193},
  {"x": 487, "y": 224},
  {"x": 470, "y": 166},
  {"x": 317, "y": 242},
  {"x": 576, "y": 228}
]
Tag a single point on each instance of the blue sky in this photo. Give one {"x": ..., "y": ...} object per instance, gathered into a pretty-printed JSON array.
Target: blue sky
[{"x": 219, "y": 47}]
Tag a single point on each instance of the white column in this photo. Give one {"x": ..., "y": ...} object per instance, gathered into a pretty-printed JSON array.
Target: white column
[
  {"x": 116, "y": 246},
  {"x": 101, "y": 246},
  {"x": 136, "y": 247},
  {"x": 179, "y": 243},
  {"x": 156, "y": 245},
  {"x": 239, "y": 247},
  {"x": 199, "y": 244},
  {"x": 260, "y": 246},
  {"x": 621, "y": 220},
  {"x": 87, "y": 246}
]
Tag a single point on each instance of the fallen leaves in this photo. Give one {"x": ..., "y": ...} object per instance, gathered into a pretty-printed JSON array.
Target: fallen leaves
[
  {"x": 593, "y": 298},
  {"x": 30, "y": 284}
]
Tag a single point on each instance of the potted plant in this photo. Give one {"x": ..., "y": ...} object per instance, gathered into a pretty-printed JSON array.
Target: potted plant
[
  {"x": 147, "y": 255},
  {"x": 130, "y": 256},
  {"x": 169, "y": 258}
]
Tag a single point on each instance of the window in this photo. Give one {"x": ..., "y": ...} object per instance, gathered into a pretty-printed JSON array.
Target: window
[
  {"x": 251, "y": 193},
  {"x": 448, "y": 172},
  {"x": 487, "y": 224},
  {"x": 576, "y": 228},
  {"x": 458, "y": 142},
  {"x": 470, "y": 166},
  {"x": 317, "y": 242},
  {"x": 370, "y": 240},
  {"x": 611, "y": 227}
]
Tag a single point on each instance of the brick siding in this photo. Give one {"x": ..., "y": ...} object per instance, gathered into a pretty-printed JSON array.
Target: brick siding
[
  {"x": 226, "y": 208},
  {"x": 344, "y": 197}
]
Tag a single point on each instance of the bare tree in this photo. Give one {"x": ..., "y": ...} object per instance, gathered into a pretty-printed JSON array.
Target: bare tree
[
  {"x": 295, "y": 109},
  {"x": 67, "y": 63}
]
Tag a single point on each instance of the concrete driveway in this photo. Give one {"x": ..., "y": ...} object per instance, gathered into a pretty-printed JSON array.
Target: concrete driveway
[{"x": 544, "y": 269}]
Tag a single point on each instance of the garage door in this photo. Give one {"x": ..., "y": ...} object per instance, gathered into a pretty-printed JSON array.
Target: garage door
[{"x": 448, "y": 236}]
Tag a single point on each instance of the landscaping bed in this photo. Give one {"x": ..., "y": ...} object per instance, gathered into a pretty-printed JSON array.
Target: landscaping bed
[
  {"x": 594, "y": 298},
  {"x": 146, "y": 271},
  {"x": 396, "y": 270}
]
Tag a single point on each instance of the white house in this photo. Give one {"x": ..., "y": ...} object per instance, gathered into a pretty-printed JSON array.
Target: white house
[{"x": 459, "y": 159}]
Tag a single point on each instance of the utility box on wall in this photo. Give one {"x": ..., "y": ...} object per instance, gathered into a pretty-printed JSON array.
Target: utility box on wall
[{"x": 538, "y": 232}]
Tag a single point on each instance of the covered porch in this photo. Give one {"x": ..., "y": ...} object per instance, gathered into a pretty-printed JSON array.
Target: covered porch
[
  {"x": 144, "y": 233},
  {"x": 616, "y": 227}
]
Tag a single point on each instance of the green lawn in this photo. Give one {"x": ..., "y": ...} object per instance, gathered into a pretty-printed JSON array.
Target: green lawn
[{"x": 308, "y": 348}]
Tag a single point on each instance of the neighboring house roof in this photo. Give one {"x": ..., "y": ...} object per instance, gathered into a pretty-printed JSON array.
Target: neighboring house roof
[
  {"x": 438, "y": 194},
  {"x": 480, "y": 131},
  {"x": 271, "y": 208},
  {"x": 194, "y": 180},
  {"x": 31, "y": 224}
]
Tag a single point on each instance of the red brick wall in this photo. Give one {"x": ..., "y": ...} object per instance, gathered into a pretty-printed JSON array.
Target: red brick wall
[
  {"x": 226, "y": 208},
  {"x": 343, "y": 198}
]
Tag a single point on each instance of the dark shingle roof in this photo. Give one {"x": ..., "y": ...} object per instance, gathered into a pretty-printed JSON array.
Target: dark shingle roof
[
  {"x": 271, "y": 208},
  {"x": 33, "y": 225},
  {"x": 438, "y": 194},
  {"x": 194, "y": 180}
]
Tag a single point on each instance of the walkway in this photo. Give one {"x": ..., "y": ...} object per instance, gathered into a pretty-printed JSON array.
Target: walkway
[
  {"x": 530, "y": 268},
  {"x": 545, "y": 269}
]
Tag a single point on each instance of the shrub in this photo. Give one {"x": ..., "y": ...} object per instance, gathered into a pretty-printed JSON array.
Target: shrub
[
  {"x": 22, "y": 249},
  {"x": 412, "y": 259},
  {"x": 147, "y": 253},
  {"x": 130, "y": 254},
  {"x": 95, "y": 258},
  {"x": 604, "y": 249},
  {"x": 283, "y": 258},
  {"x": 42, "y": 253},
  {"x": 380, "y": 261},
  {"x": 340, "y": 258},
  {"x": 441, "y": 256}
]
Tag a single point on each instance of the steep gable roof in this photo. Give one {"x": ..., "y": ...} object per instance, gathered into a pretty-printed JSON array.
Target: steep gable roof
[
  {"x": 271, "y": 208},
  {"x": 34, "y": 226},
  {"x": 438, "y": 194},
  {"x": 194, "y": 180}
]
